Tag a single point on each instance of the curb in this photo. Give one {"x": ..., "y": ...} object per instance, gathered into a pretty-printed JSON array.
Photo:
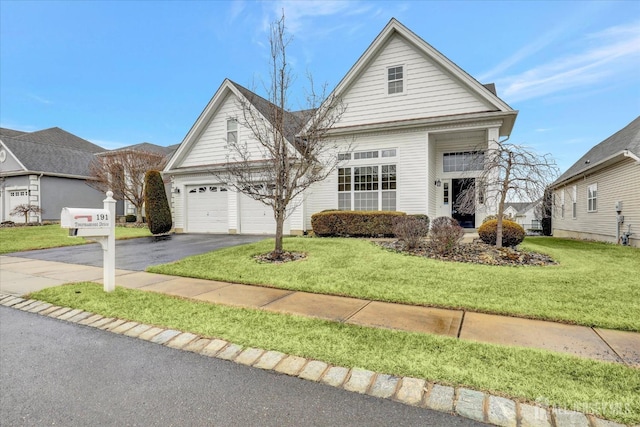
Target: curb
[{"x": 461, "y": 401}]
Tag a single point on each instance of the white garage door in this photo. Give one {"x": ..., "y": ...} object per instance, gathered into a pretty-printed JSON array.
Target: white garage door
[
  {"x": 257, "y": 218},
  {"x": 16, "y": 197},
  {"x": 207, "y": 209}
]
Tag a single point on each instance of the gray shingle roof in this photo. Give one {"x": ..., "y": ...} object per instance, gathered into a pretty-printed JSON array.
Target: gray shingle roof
[
  {"x": 51, "y": 158},
  {"x": 627, "y": 138},
  {"x": 149, "y": 147},
  {"x": 293, "y": 121},
  {"x": 61, "y": 138},
  {"x": 10, "y": 133}
]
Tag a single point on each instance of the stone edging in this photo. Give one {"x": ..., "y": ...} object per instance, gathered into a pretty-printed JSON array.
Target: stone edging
[{"x": 468, "y": 403}]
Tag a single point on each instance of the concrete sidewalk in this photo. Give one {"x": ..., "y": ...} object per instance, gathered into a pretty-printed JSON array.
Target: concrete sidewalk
[{"x": 20, "y": 276}]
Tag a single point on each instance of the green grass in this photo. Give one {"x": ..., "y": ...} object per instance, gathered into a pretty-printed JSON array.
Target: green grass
[
  {"x": 16, "y": 239},
  {"x": 609, "y": 390},
  {"x": 595, "y": 284}
]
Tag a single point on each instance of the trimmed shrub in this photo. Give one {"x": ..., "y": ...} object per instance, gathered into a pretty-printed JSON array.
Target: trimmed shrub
[
  {"x": 354, "y": 223},
  {"x": 156, "y": 203},
  {"x": 411, "y": 229},
  {"x": 445, "y": 234},
  {"x": 489, "y": 218},
  {"x": 546, "y": 226},
  {"x": 512, "y": 233},
  {"x": 130, "y": 218}
]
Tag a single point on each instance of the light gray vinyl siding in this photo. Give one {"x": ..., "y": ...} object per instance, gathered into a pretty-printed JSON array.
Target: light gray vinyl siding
[
  {"x": 429, "y": 91},
  {"x": 57, "y": 193},
  {"x": 618, "y": 182},
  {"x": 10, "y": 164}
]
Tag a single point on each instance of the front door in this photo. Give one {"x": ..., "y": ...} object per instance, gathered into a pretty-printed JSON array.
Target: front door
[{"x": 463, "y": 195}]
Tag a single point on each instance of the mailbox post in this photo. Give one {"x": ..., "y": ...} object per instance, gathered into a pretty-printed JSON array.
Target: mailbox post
[{"x": 99, "y": 225}]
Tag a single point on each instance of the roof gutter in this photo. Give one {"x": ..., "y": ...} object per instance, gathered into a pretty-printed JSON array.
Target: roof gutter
[
  {"x": 594, "y": 167},
  {"x": 628, "y": 153}
]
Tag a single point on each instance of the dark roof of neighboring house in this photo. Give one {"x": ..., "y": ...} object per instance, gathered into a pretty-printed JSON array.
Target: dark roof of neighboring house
[
  {"x": 60, "y": 138},
  {"x": 627, "y": 138},
  {"x": 10, "y": 133},
  {"x": 518, "y": 206},
  {"x": 51, "y": 158},
  {"x": 149, "y": 147}
]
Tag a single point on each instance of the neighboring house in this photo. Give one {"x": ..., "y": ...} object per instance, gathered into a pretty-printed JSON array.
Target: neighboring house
[
  {"x": 588, "y": 196},
  {"x": 524, "y": 213},
  {"x": 418, "y": 122},
  {"x": 125, "y": 207},
  {"x": 47, "y": 168}
]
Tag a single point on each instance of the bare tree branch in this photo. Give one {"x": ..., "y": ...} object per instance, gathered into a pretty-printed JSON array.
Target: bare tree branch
[
  {"x": 284, "y": 153},
  {"x": 122, "y": 171},
  {"x": 511, "y": 172}
]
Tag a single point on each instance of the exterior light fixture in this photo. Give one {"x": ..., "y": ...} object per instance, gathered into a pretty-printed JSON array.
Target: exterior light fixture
[{"x": 438, "y": 183}]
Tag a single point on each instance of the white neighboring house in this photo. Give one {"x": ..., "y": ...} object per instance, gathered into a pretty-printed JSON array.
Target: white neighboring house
[
  {"x": 418, "y": 121},
  {"x": 606, "y": 179},
  {"x": 524, "y": 213}
]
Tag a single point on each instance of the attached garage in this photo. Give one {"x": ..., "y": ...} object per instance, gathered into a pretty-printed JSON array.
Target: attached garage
[
  {"x": 257, "y": 218},
  {"x": 15, "y": 197},
  {"x": 207, "y": 209}
]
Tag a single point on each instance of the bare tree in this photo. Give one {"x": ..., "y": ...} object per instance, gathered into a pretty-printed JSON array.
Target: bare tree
[
  {"x": 122, "y": 171},
  {"x": 293, "y": 150},
  {"x": 26, "y": 209},
  {"x": 511, "y": 172}
]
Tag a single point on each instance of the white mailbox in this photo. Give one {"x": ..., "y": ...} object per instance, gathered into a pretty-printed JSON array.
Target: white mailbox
[
  {"x": 86, "y": 222},
  {"x": 99, "y": 225}
]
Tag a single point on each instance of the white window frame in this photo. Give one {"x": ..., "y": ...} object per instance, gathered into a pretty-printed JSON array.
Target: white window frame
[
  {"x": 592, "y": 198},
  {"x": 402, "y": 80},
  {"x": 347, "y": 186},
  {"x": 574, "y": 202},
  {"x": 232, "y": 128}
]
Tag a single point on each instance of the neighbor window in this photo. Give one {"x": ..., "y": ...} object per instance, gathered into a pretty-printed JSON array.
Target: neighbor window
[
  {"x": 574, "y": 202},
  {"x": 395, "y": 79},
  {"x": 592, "y": 198},
  {"x": 463, "y": 161},
  {"x": 374, "y": 188},
  {"x": 562, "y": 203},
  {"x": 232, "y": 131}
]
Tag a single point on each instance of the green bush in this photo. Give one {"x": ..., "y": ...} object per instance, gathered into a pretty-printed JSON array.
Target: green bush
[
  {"x": 411, "y": 229},
  {"x": 130, "y": 218},
  {"x": 445, "y": 234},
  {"x": 156, "y": 203},
  {"x": 354, "y": 223},
  {"x": 512, "y": 233}
]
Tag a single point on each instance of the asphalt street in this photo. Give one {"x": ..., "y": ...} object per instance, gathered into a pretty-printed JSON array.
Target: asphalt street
[
  {"x": 58, "y": 373},
  {"x": 138, "y": 254}
]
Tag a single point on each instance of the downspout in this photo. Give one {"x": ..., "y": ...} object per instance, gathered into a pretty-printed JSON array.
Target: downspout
[{"x": 40, "y": 198}]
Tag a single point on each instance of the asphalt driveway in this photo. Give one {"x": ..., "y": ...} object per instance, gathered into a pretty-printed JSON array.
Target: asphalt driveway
[{"x": 138, "y": 254}]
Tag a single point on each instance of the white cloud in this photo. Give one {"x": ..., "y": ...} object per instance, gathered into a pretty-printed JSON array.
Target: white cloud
[
  {"x": 612, "y": 52},
  {"x": 39, "y": 99}
]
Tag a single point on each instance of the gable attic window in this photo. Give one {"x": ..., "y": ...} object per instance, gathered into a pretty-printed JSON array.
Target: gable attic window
[
  {"x": 232, "y": 131},
  {"x": 395, "y": 79}
]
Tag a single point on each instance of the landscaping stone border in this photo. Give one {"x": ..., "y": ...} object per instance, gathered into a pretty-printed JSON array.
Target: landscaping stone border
[{"x": 473, "y": 404}]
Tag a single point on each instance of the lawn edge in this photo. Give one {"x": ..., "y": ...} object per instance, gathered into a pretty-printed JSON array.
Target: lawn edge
[{"x": 462, "y": 401}]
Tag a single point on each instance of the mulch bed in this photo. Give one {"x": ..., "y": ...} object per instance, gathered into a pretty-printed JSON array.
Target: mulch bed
[
  {"x": 285, "y": 257},
  {"x": 475, "y": 253}
]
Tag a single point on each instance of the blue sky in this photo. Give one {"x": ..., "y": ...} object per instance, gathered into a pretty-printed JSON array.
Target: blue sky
[{"x": 124, "y": 72}]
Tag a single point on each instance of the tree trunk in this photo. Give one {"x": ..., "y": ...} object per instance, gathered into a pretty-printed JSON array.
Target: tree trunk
[
  {"x": 277, "y": 251},
  {"x": 139, "y": 215}
]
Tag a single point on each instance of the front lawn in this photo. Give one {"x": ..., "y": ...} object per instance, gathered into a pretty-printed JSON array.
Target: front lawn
[
  {"x": 16, "y": 239},
  {"x": 607, "y": 389},
  {"x": 595, "y": 284}
]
